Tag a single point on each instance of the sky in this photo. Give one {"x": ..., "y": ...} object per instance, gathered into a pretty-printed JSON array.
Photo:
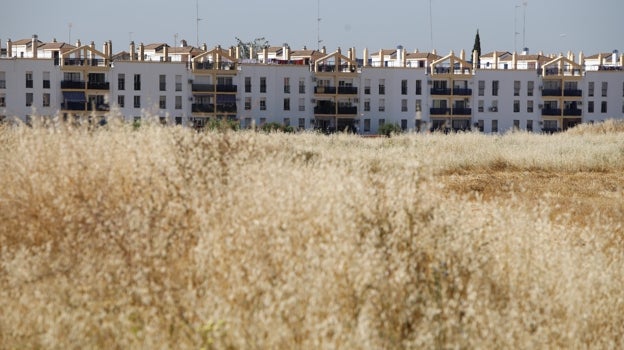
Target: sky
[{"x": 551, "y": 26}]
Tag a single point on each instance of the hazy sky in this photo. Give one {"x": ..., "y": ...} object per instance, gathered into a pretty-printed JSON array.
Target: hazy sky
[{"x": 551, "y": 25}]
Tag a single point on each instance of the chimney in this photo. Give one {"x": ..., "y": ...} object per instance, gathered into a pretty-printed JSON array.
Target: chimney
[
  {"x": 92, "y": 45},
  {"x": 525, "y": 51},
  {"x": 323, "y": 50},
  {"x": 237, "y": 51},
  {"x": 34, "y": 45},
  {"x": 622, "y": 60},
  {"x": 132, "y": 49},
  {"x": 495, "y": 56},
  {"x": 110, "y": 49},
  {"x": 600, "y": 59},
  {"x": 581, "y": 59},
  {"x": 365, "y": 57},
  {"x": 265, "y": 54},
  {"x": 434, "y": 52},
  {"x": 141, "y": 52},
  {"x": 166, "y": 53},
  {"x": 381, "y": 58},
  {"x": 78, "y": 43},
  {"x": 9, "y": 48},
  {"x": 475, "y": 59},
  {"x": 105, "y": 48},
  {"x": 231, "y": 51},
  {"x": 614, "y": 57},
  {"x": 251, "y": 52},
  {"x": 462, "y": 54},
  {"x": 204, "y": 47},
  {"x": 514, "y": 60},
  {"x": 183, "y": 43}
]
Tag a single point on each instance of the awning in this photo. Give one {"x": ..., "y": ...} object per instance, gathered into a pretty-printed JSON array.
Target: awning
[
  {"x": 226, "y": 98},
  {"x": 74, "y": 96}
]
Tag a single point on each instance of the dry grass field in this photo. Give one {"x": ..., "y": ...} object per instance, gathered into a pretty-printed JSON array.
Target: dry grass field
[{"x": 164, "y": 238}]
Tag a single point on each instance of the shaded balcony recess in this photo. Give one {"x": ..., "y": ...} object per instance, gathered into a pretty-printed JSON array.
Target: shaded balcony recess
[
  {"x": 202, "y": 108},
  {"x": 572, "y": 92},
  {"x": 72, "y": 84},
  {"x": 93, "y": 62},
  {"x": 462, "y": 111},
  {"x": 325, "y": 90},
  {"x": 98, "y": 86},
  {"x": 74, "y": 106},
  {"x": 348, "y": 90},
  {"x": 462, "y": 91},
  {"x": 440, "y": 91},
  {"x": 347, "y": 110},
  {"x": 439, "y": 111},
  {"x": 214, "y": 65},
  {"x": 226, "y": 88},
  {"x": 551, "y": 111},
  {"x": 572, "y": 112},
  {"x": 551, "y": 92}
]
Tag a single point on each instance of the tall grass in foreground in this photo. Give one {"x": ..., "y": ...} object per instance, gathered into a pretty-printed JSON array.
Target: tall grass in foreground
[{"x": 166, "y": 238}]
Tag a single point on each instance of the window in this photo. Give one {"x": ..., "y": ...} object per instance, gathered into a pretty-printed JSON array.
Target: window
[
  {"x": 530, "y": 87},
  {"x": 162, "y": 82},
  {"x": 137, "y": 82},
  {"x": 29, "y": 99},
  {"x": 121, "y": 82},
  {"x": 121, "y": 101},
  {"x": 46, "y": 80},
  {"x": 494, "y": 107},
  {"x": 178, "y": 102},
  {"x": 262, "y": 121},
  {"x": 404, "y": 87},
  {"x": 287, "y": 104},
  {"x": 516, "y": 87},
  {"x": 403, "y": 124},
  {"x": 516, "y": 124},
  {"x": 480, "y": 125},
  {"x": 590, "y": 89},
  {"x": 247, "y": 103},
  {"x": 529, "y": 125},
  {"x": 301, "y": 104},
  {"x": 622, "y": 106},
  {"x": 494, "y": 125},
  {"x": 302, "y": 85},
  {"x": 286, "y": 121},
  {"x": 603, "y": 107},
  {"x": 367, "y": 85},
  {"x": 367, "y": 105},
  {"x": 162, "y": 102},
  {"x": 605, "y": 86},
  {"x": 29, "y": 79},
  {"x": 516, "y": 106},
  {"x": 286, "y": 85},
  {"x": 178, "y": 120},
  {"x": 263, "y": 84},
  {"x": 382, "y": 86},
  {"x": 382, "y": 105},
  {"x": 418, "y": 106},
  {"x": 366, "y": 125},
  {"x": 2, "y": 100},
  {"x": 590, "y": 107},
  {"x": 530, "y": 106},
  {"x": 403, "y": 105},
  {"x": 418, "y": 87},
  {"x": 622, "y": 89},
  {"x": 481, "y": 106},
  {"x": 137, "y": 101},
  {"x": 381, "y": 123},
  {"x": 481, "y": 87},
  {"x": 2, "y": 80},
  {"x": 495, "y": 88},
  {"x": 46, "y": 100},
  {"x": 247, "y": 84},
  {"x": 263, "y": 104},
  {"x": 301, "y": 123},
  {"x": 178, "y": 83}
]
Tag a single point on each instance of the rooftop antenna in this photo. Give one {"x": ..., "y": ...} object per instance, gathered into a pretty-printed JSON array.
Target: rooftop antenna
[
  {"x": 69, "y": 25},
  {"x": 431, "y": 25},
  {"x": 318, "y": 25},
  {"x": 524, "y": 4},
  {"x": 175, "y": 40},
  {"x": 516, "y": 28},
  {"x": 197, "y": 19}
]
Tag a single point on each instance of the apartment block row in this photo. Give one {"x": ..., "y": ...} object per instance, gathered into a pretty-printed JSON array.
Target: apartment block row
[{"x": 310, "y": 89}]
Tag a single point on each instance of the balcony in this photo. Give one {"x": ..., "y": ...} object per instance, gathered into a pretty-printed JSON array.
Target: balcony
[
  {"x": 572, "y": 112},
  {"x": 74, "y": 106},
  {"x": 98, "y": 86},
  {"x": 439, "y": 111},
  {"x": 442, "y": 70},
  {"x": 440, "y": 91},
  {"x": 348, "y": 90},
  {"x": 93, "y": 62},
  {"x": 462, "y": 92},
  {"x": 551, "y": 92},
  {"x": 72, "y": 84},
  {"x": 226, "y": 108},
  {"x": 572, "y": 92},
  {"x": 203, "y": 87},
  {"x": 462, "y": 111},
  {"x": 551, "y": 111},
  {"x": 325, "y": 109},
  {"x": 325, "y": 90},
  {"x": 213, "y": 65},
  {"x": 226, "y": 88},
  {"x": 347, "y": 110},
  {"x": 202, "y": 108}
]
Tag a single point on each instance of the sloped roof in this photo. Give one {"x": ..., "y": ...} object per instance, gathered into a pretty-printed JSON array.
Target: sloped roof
[{"x": 422, "y": 55}]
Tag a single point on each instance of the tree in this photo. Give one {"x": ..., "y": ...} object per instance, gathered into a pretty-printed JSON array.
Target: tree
[
  {"x": 477, "y": 47},
  {"x": 257, "y": 44}
]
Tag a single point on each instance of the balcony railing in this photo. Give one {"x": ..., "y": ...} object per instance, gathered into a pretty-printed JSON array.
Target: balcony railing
[
  {"x": 94, "y": 62},
  {"x": 551, "y": 111},
  {"x": 572, "y": 112},
  {"x": 203, "y": 87},
  {"x": 572, "y": 92},
  {"x": 462, "y": 92},
  {"x": 462, "y": 111},
  {"x": 74, "y": 106},
  {"x": 202, "y": 108},
  {"x": 226, "y": 108},
  {"x": 442, "y": 70},
  {"x": 347, "y": 110},
  {"x": 551, "y": 92},
  {"x": 325, "y": 90},
  {"x": 98, "y": 86},
  {"x": 348, "y": 90},
  {"x": 226, "y": 88},
  {"x": 213, "y": 65},
  {"x": 440, "y": 91},
  {"x": 439, "y": 111},
  {"x": 72, "y": 84},
  {"x": 326, "y": 109}
]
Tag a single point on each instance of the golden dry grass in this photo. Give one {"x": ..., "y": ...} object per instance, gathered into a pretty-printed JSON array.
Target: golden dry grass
[{"x": 165, "y": 238}]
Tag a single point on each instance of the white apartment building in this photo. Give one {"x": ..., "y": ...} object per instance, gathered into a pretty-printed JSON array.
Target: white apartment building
[{"x": 310, "y": 89}]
